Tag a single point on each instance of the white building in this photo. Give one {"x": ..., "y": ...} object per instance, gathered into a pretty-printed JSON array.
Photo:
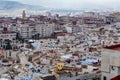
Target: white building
[
  {"x": 45, "y": 29},
  {"x": 110, "y": 64},
  {"x": 29, "y": 30},
  {"x": 9, "y": 35},
  {"x": 73, "y": 28},
  {"x": 26, "y": 30}
]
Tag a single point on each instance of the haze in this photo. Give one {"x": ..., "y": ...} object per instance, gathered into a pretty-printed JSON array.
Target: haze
[{"x": 74, "y": 4}]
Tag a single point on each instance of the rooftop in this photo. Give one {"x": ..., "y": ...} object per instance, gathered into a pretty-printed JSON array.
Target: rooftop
[
  {"x": 116, "y": 78},
  {"x": 113, "y": 47}
]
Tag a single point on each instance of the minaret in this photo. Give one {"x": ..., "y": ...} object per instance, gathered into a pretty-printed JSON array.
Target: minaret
[{"x": 23, "y": 14}]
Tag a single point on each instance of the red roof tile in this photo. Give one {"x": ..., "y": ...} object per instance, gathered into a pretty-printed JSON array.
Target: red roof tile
[
  {"x": 113, "y": 47},
  {"x": 116, "y": 78}
]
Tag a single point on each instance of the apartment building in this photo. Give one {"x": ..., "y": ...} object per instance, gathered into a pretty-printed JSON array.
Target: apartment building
[
  {"x": 6, "y": 34},
  {"x": 26, "y": 30},
  {"x": 73, "y": 28},
  {"x": 45, "y": 29},
  {"x": 9, "y": 35}
]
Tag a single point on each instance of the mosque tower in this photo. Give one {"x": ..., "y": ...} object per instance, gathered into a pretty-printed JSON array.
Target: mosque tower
[{"x": 23, "y": 14}]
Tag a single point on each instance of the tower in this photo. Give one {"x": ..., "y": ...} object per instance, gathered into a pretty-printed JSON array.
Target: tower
[{"x": 23, "y": 14}]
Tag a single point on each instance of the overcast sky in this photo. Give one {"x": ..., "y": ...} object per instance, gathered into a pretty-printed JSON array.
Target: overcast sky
[{"x": 74, "y": 4}]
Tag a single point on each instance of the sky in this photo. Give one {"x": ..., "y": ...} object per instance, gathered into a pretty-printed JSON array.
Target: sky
[{"x": 74, "y": 4}]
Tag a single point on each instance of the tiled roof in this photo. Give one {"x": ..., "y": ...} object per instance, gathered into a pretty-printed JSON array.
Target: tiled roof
[{"x": 116, "y": 78}]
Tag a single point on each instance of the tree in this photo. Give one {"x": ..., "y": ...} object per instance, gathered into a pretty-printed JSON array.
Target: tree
[
  {"x": 8, "y": 44},
  {"x": 17, "y": 36},
  {"x": 36, "y": 36},
  {"x": 0, "y": 42}
]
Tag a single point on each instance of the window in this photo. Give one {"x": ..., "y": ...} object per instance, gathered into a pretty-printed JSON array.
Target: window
[
  {"x": 104, "y": 78},
  {"x": 10, "y": 54}
]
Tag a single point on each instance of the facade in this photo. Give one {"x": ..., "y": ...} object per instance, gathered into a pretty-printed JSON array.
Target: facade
[
  {"x": 9, "y": 36},
  {"x": 6, "y": 34},
  {"x": 110, "y": 62},
  {"x": 26, "y": 30},
  {"x": 30, "y": 30},
  {"x": 45, "y": 29},
  {"x": 92, "y": 20},
  {"x": 73, "y": 28}
]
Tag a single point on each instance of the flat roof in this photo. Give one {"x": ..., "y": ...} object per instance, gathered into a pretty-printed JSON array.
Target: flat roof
[{"x": 113, "y": 47}]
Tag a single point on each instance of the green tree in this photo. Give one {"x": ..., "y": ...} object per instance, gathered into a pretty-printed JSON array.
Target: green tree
[
  {"x": 8, "y": 44},
  {"x": 36, "y": 36}
]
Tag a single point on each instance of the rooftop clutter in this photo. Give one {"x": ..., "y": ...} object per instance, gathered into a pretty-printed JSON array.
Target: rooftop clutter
[{"x": 45, "y": 48}]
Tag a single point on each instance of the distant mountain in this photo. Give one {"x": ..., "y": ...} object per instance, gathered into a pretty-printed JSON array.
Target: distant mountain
[
  {"x": 14, "y": 5},
  {"x": 65, "y": 10}
]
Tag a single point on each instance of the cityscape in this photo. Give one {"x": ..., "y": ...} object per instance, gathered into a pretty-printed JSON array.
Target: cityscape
[{"x": 59, "y": 40}]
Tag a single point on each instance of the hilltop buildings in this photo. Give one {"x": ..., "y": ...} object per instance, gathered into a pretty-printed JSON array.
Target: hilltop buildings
[{"x": 59, "y": 47}]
